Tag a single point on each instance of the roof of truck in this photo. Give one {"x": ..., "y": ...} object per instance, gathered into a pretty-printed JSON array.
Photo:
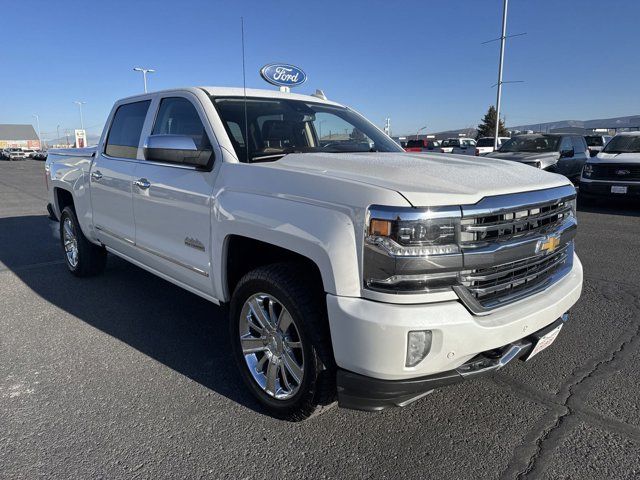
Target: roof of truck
[
  {"x": 259, "y": 92},
  {"x": 239, "y": 92}
]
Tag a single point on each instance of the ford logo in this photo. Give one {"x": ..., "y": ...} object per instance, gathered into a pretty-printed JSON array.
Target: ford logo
[
  {"x": 623, "y": 172},
  {"x": 283, "y": 75}
]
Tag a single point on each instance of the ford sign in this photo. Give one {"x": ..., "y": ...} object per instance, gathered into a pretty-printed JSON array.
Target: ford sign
[{"x": 283, "y": 75}]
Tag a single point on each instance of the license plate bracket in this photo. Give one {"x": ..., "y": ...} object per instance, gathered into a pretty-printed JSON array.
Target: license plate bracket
[
  {"x": 544, "y": 342},
  {"x": 618, "y": 189}
]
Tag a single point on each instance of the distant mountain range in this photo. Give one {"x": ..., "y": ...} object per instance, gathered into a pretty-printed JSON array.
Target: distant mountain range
[
  {"x": 615, "y": 122},
  {"x": 630, "y": 121}
]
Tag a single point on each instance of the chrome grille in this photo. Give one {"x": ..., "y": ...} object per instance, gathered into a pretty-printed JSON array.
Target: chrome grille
[
  {"x": 506, "y": 225},
  {"x": 496, "y": 285}
]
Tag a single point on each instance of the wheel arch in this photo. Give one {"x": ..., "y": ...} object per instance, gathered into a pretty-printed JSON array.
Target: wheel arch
[{"x": 242, "y": 254}]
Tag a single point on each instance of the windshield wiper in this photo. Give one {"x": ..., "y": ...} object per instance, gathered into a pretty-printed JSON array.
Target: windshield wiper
[{"x": 270, "y": 156}]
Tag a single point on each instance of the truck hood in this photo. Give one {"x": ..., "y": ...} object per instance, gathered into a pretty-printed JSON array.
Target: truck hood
[
  {"x": 426, "y": 179},
  {"x": 546, "y": 159},
  {"x": 616, "y": 158}
]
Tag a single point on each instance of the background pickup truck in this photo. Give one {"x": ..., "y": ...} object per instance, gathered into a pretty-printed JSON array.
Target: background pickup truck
[{"x": 353, "y": 271}]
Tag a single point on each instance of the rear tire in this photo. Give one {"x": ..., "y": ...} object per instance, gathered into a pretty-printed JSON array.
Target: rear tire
[
  {"x": 263, "y": 302},
  {"x": 83, "y": 258}
]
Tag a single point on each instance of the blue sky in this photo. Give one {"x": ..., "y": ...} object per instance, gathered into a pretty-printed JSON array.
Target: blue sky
[{"x": 418, "y": 62}]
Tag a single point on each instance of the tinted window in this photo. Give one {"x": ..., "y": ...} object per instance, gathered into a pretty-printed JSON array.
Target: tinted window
[
  {"x": 124, "y": 134},
  {"x": 485, "y": 142},
  {"x": 178, "y": 116},
  {"x": 594, "y": 140},
  {"x": 566, "y": 144},
  {"x": 415, "y": 144},
  {"x": 579, "y": 144},
  {"x": 532, "y": 143}
]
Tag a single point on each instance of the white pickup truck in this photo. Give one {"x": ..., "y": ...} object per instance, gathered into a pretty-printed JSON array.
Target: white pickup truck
[{"x": 353, "y": 271}]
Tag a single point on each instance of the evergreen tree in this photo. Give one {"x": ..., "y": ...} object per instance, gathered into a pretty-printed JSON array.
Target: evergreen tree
[{"x": 488, "y": 126}]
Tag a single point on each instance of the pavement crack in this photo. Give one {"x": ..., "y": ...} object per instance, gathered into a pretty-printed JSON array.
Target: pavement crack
[{"x": 550, "y": 430}]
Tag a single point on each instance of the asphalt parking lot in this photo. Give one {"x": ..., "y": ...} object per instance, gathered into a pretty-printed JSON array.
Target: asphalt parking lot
[{"x": 126, "y": 375}]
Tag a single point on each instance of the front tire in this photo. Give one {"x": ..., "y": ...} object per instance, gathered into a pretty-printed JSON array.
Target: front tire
[
  {"x": 281, "y": 342},
  {"x": 83, "y": 258}
]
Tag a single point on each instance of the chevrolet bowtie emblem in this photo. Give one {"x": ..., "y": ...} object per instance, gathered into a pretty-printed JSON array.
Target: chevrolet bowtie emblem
[{"x": 548, "y": 244}]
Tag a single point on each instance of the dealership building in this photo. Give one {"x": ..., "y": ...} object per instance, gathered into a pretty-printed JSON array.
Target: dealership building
[{"x": 18, "y": 136}]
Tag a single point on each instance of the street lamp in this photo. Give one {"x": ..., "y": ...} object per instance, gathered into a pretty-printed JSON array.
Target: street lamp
[
  {"x": 144, "y": 74},
  {"x": 80, "y": 103},
  {"x": 419, "y": 130},
  {"x": 39, "y": 133}
]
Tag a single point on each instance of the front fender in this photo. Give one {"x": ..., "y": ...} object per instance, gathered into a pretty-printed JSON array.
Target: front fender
[{"x": 320, "y": 233}]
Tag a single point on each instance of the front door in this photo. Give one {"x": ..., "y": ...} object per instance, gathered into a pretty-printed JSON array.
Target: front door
[
  {"x": 172, "y": 203},
  {"x": 111, "y": 177}
]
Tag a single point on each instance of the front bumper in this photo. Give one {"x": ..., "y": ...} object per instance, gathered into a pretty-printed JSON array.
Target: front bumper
[
  {"x": 360, "y": 392},
  {"x": 370, "y": 338},
  {"x": 603, "y": 188}
]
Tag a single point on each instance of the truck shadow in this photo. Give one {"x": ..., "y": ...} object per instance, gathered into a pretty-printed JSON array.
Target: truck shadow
[
  {"x": 179, "y": 329},
  {"x": 610, "y": 206}
]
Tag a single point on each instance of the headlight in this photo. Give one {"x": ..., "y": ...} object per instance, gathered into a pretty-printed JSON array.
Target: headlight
[
  {"x": 587, "y": 170},
  {"x": 409, "y": 250}
]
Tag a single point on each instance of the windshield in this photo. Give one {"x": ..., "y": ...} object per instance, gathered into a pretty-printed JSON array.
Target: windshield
[
  {"x": 451, "y": 142},
  {"x": 594, "y": 140},
  {"x": 415, "y": 144},
  {"x": 623, "y": 144},
  {"x": 277, "y": 127},
  {"x": 537, "y": 143}
]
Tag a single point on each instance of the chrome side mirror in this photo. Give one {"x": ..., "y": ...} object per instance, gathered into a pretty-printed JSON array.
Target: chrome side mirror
[{"x": 179, "y": 149}]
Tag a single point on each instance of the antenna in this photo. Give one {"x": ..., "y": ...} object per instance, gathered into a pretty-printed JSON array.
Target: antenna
[{"x": 244, "y": 89}]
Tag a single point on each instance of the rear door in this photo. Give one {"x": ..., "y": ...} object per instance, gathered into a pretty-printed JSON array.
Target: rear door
[
  {"x": 173, "y": 208},
  {"x": 111, "y": 177}
]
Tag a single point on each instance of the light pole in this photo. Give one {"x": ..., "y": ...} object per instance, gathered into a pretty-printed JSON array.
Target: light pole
[
  {"x": 39, "y": 133},
  {"x": 503, "y": 37},
  {"x": 80, "y": 103},
  {"x": 419, "y": 130},
  {"x": 144, "y": 74}
]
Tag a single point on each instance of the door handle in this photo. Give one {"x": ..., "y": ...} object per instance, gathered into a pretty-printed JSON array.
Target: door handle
[
  {"x": 96, "y": 176},
  {"x": 142, "y": 183}
]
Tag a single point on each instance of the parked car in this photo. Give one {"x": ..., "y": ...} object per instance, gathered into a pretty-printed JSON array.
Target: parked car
[
  {"x": 28, "y": 152},
  {"x": 14, "y": 154},
  {"x": 459, "y": 146},
  {"x": 615, "y": 171},
  {"x": 427, "y": 145},
  {"x": 39, "y": 155},
  {"x": 484, "y": 145},
  {"x": 596, "y": 143},
  {"x": 357, "y": 273},
  {"x": 559, "y": 153}
]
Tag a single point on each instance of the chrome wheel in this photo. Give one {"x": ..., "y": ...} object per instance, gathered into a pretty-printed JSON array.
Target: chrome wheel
[
  {"x": 271, "y": 346},
  {"x": 70, "y": 242}
]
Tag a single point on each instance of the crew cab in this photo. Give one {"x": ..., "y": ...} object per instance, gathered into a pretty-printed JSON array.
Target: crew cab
[
  {"x": 352, "y": 271},
  {"x": 615, "y": 171}
]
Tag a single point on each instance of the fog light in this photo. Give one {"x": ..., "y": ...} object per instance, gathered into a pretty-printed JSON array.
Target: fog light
[{"x": 418, "y": 346}]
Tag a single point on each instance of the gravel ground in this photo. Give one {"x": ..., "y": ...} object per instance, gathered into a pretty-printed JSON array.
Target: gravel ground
[{"x": 126, "y": 375}]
